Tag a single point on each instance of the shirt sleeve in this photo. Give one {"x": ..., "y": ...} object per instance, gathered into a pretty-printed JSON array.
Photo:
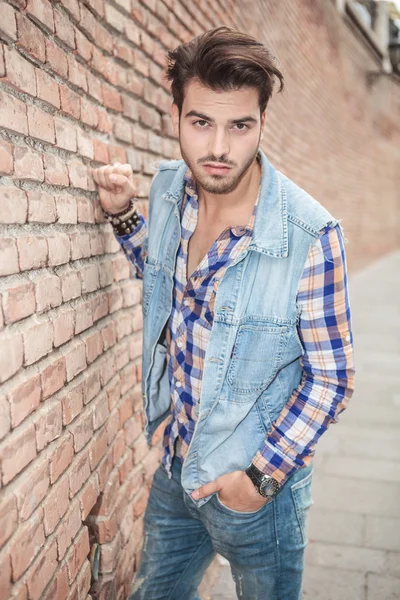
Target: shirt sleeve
[
  {"x": 327, "y": 382},
  {"x": 134, "y": 245}
]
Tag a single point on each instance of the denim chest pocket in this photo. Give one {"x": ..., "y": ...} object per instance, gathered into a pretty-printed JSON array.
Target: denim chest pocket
[
  {"x": 150, "y": 272},
  {"x": 256, "y": 356}
]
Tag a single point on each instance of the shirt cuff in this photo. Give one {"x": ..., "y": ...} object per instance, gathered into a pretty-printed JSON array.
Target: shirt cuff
[{"x": 275, "y": 465}]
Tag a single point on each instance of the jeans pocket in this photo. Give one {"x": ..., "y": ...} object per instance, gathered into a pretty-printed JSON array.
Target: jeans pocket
[
  {"x": 232, "y": 511},
  {"x": 302, "y": 499}
]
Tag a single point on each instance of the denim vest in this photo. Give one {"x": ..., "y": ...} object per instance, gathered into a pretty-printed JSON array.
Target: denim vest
[{"x": 252, "y": 364}]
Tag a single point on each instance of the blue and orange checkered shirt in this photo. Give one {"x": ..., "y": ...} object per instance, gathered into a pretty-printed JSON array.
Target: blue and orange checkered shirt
[{"x": 324, "y": 328}]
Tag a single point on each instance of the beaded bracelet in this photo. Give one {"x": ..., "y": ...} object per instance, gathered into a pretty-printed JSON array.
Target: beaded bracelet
[{"x": 125, "y": 221}]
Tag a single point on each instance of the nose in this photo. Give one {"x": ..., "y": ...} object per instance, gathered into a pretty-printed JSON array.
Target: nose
[{"x": 219, "y": 143}]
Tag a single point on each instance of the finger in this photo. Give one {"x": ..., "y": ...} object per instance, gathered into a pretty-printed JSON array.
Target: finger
[
  {"x": 123, "y": 169},
  {"x": 207, "y": 489}
]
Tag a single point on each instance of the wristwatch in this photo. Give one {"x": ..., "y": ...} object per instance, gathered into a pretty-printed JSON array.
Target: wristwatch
[{"x": 265, "y": 485}]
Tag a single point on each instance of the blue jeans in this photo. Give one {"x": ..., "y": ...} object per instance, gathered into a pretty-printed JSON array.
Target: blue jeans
[{"x": 265, "y": 548}]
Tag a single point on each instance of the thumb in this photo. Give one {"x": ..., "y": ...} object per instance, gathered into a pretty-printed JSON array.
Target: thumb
[{"x": 207, "y": 489}]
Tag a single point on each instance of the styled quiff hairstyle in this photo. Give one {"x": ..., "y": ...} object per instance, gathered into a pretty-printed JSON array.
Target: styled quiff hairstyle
[{"x": 223, "y": 59}]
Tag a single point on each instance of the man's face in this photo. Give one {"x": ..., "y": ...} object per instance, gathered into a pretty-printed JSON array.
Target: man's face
[{"x": 219, "y": 134}]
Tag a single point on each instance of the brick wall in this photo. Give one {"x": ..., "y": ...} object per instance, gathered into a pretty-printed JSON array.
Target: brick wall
[{"x": 81, "y": 84}]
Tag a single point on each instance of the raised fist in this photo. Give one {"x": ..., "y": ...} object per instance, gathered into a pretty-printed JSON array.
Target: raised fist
[{"x": 115, "y": 186}]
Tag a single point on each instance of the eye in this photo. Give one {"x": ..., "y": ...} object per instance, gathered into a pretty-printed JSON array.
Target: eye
[
  {"x": 242, "y": 126},
  {"x": 200, "y": 121}
]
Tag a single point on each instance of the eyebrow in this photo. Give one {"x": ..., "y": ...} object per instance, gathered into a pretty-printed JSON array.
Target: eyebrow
[{"x": 194, "y": 113}]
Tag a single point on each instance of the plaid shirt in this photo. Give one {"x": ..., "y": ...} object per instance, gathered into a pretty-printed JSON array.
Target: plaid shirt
[{"x": 324, "y": 329}]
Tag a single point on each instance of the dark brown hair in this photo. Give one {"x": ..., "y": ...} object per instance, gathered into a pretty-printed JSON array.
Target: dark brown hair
[{"x": 223, "y": 59}]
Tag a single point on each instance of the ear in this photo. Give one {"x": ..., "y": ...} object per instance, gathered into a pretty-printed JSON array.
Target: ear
[
  {"x": 263, "y": 121},
  {"x": 174, "y": 111}
]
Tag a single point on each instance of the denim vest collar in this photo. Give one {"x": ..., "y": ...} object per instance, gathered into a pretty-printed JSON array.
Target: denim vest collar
[{"x": 270, "y": 234}]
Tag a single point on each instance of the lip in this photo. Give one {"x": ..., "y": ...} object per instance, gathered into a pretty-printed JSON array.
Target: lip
[{"x": 217, "y": 170}]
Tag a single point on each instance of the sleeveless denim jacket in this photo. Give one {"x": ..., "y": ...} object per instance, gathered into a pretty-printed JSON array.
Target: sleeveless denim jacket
[{"x": 254, "y": 335}]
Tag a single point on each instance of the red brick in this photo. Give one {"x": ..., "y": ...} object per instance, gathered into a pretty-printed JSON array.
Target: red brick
[
  {"x": 53, "y": 377},
  {"x": 69, "y": 527},
  {"x": 78, "y": 554},
  {"x": 80, "y": 245},
  {"x": 32, "y": 487},
  {"x": 88, "y": 22},
  {"x": 139, "y": 502},
  {"x": 72, "y": 404},
  {"x": 140, "y": 449},
  {"x": 88, "y": 496},
  {"x": 27, "y": 545},
  {"x": 151, "y": 462},
  {"x": 108, "y": 497},
  {"x": 8, "y": 27},
  {"x": 64, "y": 29},
  {"x": 47, "y": 88},
  {"x": 32, "y": 252},
  {"x": 56, "y": 172},
  {"x": 77, "y": 175},
  {"x": 11, "y": 355},
  {"x": 125, "y": 467},
  {"x": 104, "y": 121},
  {"x": 6, "y": 158},
  {"x": 84, "y": 317},
  {"x": 20, "y": 72},
  {"x": 59, "y": 586},
  {"x": 109, "y": 554},
  {"x": 56, "y": 59},
  {"x": 41, "y": 207},
  {"x": 63, "y": 324},
  {"x": 70, "y": 102},
  {"x": 100, "y": 411},
  {"x": 70, "y": 284},
  {"x": 118, "y": 447},
  {"x": 5, "y": 576},
  {"x": 89, "y": 114},
  {"x": 28, "y": 164},
  {"x": 84, "y": 580},
  {"x": 72, "y": 6},
  {"x": 82, "y": 431},
  {"x": 61, "y": 456},
  {"x": 101, "y": 151},
  {"x": 13, "y": 114},
  {"x": 83, "y": 45},
  {"x": 18, "y": 301},
  {"x": 105, "y": 528},
  {"x": 41, "y": 124},
  {"x": 49, "y": 426},
  {"x": 13, "y": 205},
  {"x": 111, "y": 98},
  {"x": 90, "y": 278},
  {"x": 79, "y": 474},
  {"x": 85, "y": 208},
  {"x": 94, "y": 346},
  {"x": 59, "y": 249},
  {"x": 97, "y": 448},
  {"x": 76, "y": 360},
  {"x": 104, "y": 470},
  {"x": 43, "y": 571},
  {"x": 85, "y": 144},
  {"x": 56, "y": 505},
  {"x": 42, "y": 12},
  {"x": 5, "y": 419},
  {"x": 8, "y": 517},
  {"x": 24, "y": 399},
  {"x": 47, "y": 291},
  {"x": 38, "y": 341},
  {"x": 31, "y": 38},
  {"x": 91, "y": 386},
  {"x": 67, "y": 210},
  {"x": 65, "y": 135},
  {"x": 77, "y": 73},
  {"x": 100, "y": 307}
]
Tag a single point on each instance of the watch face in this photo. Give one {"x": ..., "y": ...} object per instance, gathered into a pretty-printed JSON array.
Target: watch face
[{"x": 268, "y": 487}]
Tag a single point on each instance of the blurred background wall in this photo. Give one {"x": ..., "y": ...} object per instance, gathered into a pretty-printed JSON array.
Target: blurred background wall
[{"x": 81, "y": 83}]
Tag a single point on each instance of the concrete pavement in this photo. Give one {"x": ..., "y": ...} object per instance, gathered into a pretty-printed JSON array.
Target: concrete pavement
[{"x": 354, "y": 524}]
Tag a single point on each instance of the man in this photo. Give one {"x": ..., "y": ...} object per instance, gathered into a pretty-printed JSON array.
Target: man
[{"x": 247, "y": 343}]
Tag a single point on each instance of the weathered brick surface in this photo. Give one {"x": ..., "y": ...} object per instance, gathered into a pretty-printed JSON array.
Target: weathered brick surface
[{"x": 81, "y": 84}]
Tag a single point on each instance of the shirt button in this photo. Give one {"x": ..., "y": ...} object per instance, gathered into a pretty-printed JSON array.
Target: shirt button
[
  {"x": 347, "y": 338},
  {"x": 179, "y": 344},
  {"x": 178, "y": 384}
]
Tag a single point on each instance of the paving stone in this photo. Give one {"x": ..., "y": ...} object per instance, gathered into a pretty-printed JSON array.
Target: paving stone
[
  {"x": 382, "y": 588},
  {"x": 335, "y": 527},
  {"x": 348, "y": 558},
  {"x": 382, "y": 533},
  {"x": 362, "y": 468},
  {"x": 320, "y": 583}
]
